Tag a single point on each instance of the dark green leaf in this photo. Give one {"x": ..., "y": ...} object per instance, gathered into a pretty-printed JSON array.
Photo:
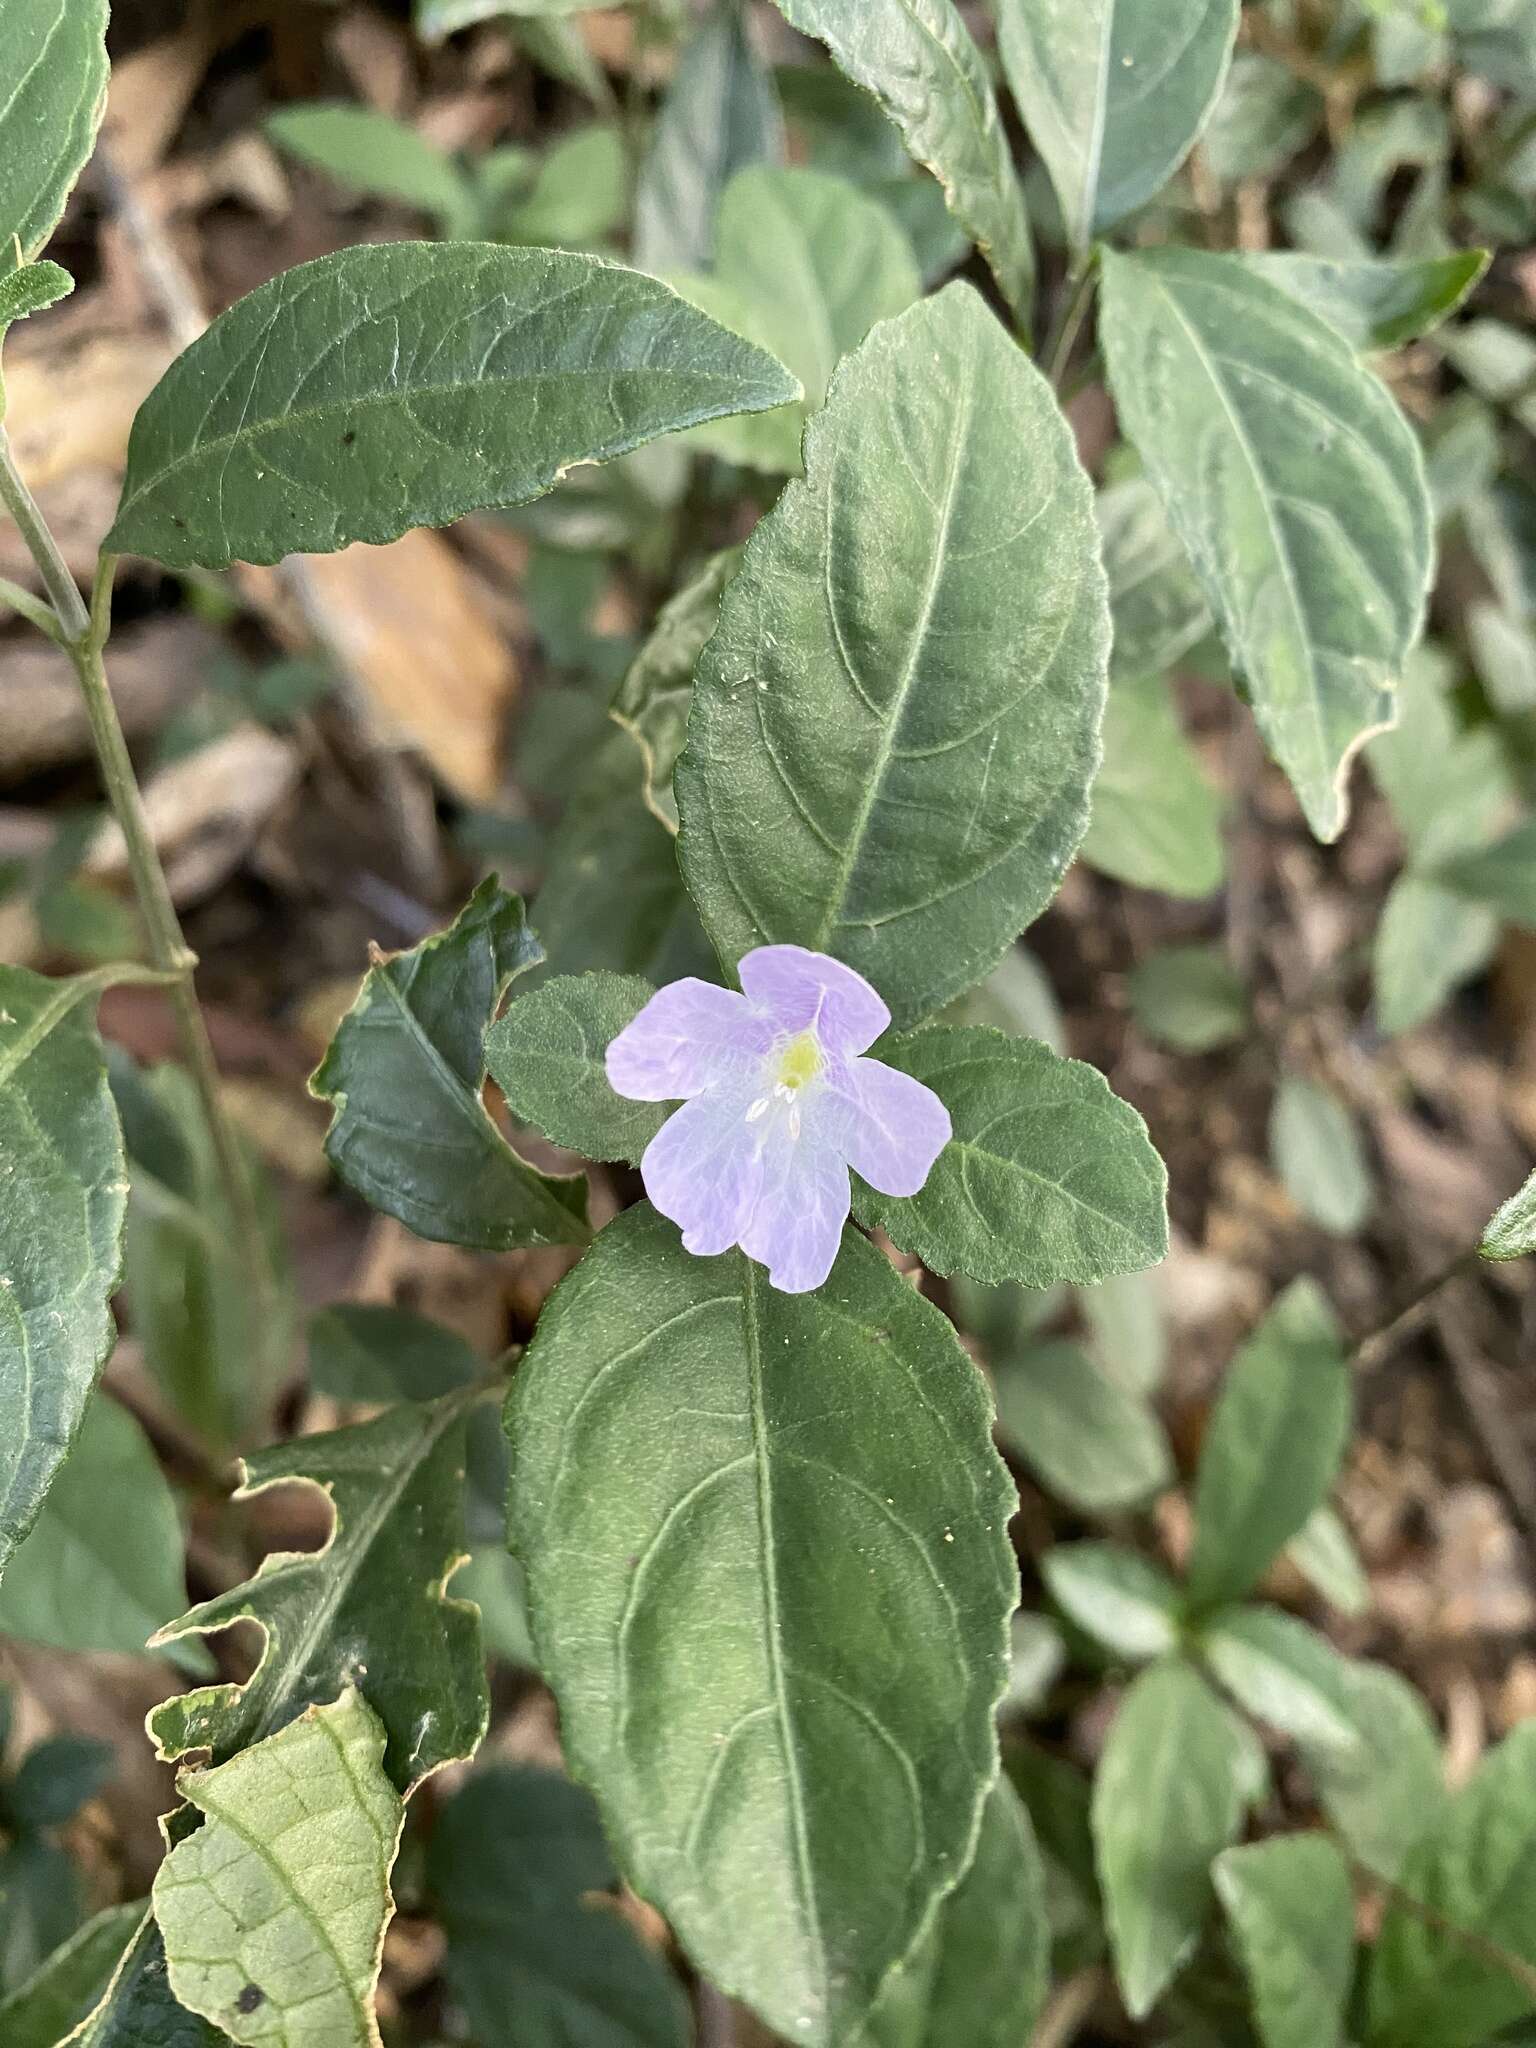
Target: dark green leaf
[
  {"x": 1166, "y": 1801},
  {"x": 377, "y": 154},
  {"x": 41, "y": 2012},
  {"x": 137, "y": 2009},
  {"x": 365, "y": 1351},
  {"x": 1113, "y": 94},
  {"x": 919, "y": 60},
  {"x": 1189, "y": 997},
  {"x": 1156, "y": 820},
  {"x": 689, "y": 1445},
  {"x": 40, "y": 1905},
  {"x": 32, "y": 289},
  {"x": 1292, "y": 1912},
  {"x": 652, "y": 701},
  {"x": 1315, "y": 1147},
  {"x": 1049, "y": 1175},
  {"x": 1295, "y": 484},
  {"x": 1501, "y": 876},
  {"x": 409, "y": 1129},
  {"x": 55, "y": 1779},
  {"x": 1095, "y": 1445},
  {"x": 370, "y": 1603},
  {"x": 1285, "y": 1673},
  {"x": 546, "y": 1056},
  {"x": 537, "y": 1955},
  {"x": 1273, "y": 1448},
  {"x": 1511, "y": 1233},
  {"x": 53, "y": 87},
  {"x": 895, "y": 726},
  {"x": 1376, "y": 305},
  {"x": 1129, "y": 1604},
  {"x": 403, "y": 385}
]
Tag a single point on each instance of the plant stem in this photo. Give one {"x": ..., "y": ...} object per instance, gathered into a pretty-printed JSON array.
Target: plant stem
[
  {"x": 30, "y": 608},
  {"x": 1077, "y": 295},
  {"x": 1377, "y": 1344},
  {"x": 83, "y": 634}
]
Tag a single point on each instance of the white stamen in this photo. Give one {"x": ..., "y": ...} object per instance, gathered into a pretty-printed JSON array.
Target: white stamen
[
  {"x": 794, "y": 1121},
  {"x": 759, "y": 1108}
]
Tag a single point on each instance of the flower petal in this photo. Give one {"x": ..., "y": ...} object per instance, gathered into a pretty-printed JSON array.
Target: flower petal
[
  {"x": 799, "y": 989},
  {"x": 703, "y": 1170},
  {"x": 796, "y": 1223},
  {"x": 688, "y": 1035},
  {"x": 888, "y": 1127}
]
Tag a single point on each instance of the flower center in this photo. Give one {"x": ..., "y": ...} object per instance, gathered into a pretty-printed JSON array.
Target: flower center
[{"x": 800, "y": 1061}]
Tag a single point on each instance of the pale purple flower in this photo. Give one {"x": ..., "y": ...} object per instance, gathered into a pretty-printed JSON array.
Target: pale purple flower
[{"x": 777, "y": 1106}]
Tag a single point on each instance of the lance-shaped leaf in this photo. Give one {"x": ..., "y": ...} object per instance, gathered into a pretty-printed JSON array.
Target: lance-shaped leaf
[
  {"x": 895, "y": 726},
  {"x": 547, "y": 1057},
  {"x": 1113, "y": 93},
  {"x": 53, "y": 87},
  {"x": 1375, "y": 305},
  {"x": 522, "y": 1878},
  {"x": 41, "y": 2012},
  {"x": 273, "y": 1912},
  {"x": 981, "y": 1973},
  {"x": 921, "y": 63},
  {"x": 1124, "y": 1600},
  {"x": 1049, "y": 1175},
  {"x": 61, "y": 1231},
  {"x": 652, "y": 701},
  {"x": 1295, "y": 484},
  {"x": 369, "y": 1607},
  {"x": 1284, "y": 1673},
  {"x": 1292, "y": 1912},
  {"x": 777, "y": 1631},
  {"x": 404, "y": 385},
  {"x": 1511, "y": 1232},
  {"x": 409, "y": 1128}
]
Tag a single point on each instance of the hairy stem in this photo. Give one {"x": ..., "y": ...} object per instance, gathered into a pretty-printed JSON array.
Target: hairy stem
[{"x": 1377, "y": 1344}]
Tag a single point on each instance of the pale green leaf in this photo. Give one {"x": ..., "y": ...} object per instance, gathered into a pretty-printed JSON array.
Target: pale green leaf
[
  {"x": 1166, "y": 1801},
  {"x": 1129, "y": 1329},
  {"x": 652, "y": 701},
  {"x": 1272, "y": 1451},
  {"x": 918, "y": 59},
  {"x": 1511, "y": 1234},
  {"x": 377, "y": 154},
  {"x": 1500, "y": 877},
  {"x": 1325, "y": 1555},
  {"x": 1126, "y": 1602},
  {"x": 402, "y": 385},
  {"x": 1428, "y": 943},
  {"x": 1156, "y": 820},
  {"x": 538, "y": 1955},
  {"x": 1295, "y": 484},
  {"x": 273, "y": 1912},
  {"x": 53, "y": 87},
  {"x": 1155, "y": 601},
  {"x": 1292, "y": 1913},
  {"x": 1093, "y": 1444},
  {"x": 1316, "y": 1148},
  {"x": 773, "y": 1631},
  {"x": 547, "y": 1057},
  {"x": 579, "y": 195},
  {"x": 369, "y": 1603},
  {"x": 31, "y": 289},
  {"x": 1283, "y": 1673},
  {"x": 436, "y": 20},
  {"x": 61, "y": 1992},
  {"x": 895, "y": 726},
  {"x": 1189, "y": 997},
  {"x": 409, "y": 1130},
  {"x": 1048, "y": 1176},
  {"x": 720, "y": 113},
  {"x": 1375, "y": 305},
  {"x": 1445, "y": 786},
  {"x": 1502, "y": 649},
  {"x": 1113, "y": 93},
  {"x": 1263, "y": 117},
  {"x": 1016, "y": 997},
  {"x": 1387, "y": 1790}
]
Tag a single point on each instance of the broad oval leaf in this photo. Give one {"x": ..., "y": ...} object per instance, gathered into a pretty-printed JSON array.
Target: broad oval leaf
[
  {"x": 1285, "y": 1673},
  {"x": 1292, "y": 1911},
  {"x": 1386, "y": 1791},
  {"x": 61, "y": 1233},
  {"x": 404, "y": 385},
  {"x": 1375, "y": 305},
  {"x": 409, "y": 1130},
  {"x": 1316, "y": 1148},
  {"x": 895, "y": 726},
  {"x": 1295, "y": 484},
  {"x": 547, "y": 1057},
  {"x": 921, "y": 63},
  {"x": 1511, "y": 1232},
  {"x": 53, "y": 87},
  {"x": 1122, "y": 1599},
  {"x": 1049, "y": 1175},
  {"x": 1113, "y": 93},
  {"x": 1091, "y": 1441},
  {"x": 273, "y": 1912},
  {"x": 1156, "y": 820},
  {"x": 778, "y": 1636}
]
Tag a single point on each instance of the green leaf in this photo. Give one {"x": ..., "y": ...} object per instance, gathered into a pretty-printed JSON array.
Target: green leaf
[
  {"x": 1435, "y": 1979},
  {"x": 436, "y": 20},
  {"x": 377, "y": 154},
  {"x": 31, "y": 289},
  {"x": 1325, "y": 1555},
  {"x": 55, "y": 1779},
  {"x": 273, "y": 1912},
  {"x": 409, "y": 1129},
  {"x": 41, "y": 2012},
  {"x": 365, "y": 1351},
  {"x": 652, "y": 701},
  {"x": 1295, "y": 484},
  {"x": 1155, "y": 601},
  {"x": 918, "y": 59},
  {"x": 1315, "y": 1147},
  {"x": 1428, "y": 942},
  {"x": 1272, "y": 1451},
  {"x": 1048, "y": 1176},
  {"x": 1123, "y": 1600},
  {"x": 547, "y": 1057},
  {"x": 53, "y": 88},
  {"x": 1502, "y": 877},
  {"x": 895, "y": 726},
  {"x": 370, "y": 1603},
  {"x": 1511, "y": 1234},
  {"x": 807, "y": 265},
  {"x": 406, "y": 384},
  {"x": 579, "y": 195},
  {"x": 851, "y": 1697},
  {"x": 1385, "y": 1792},
  {"x": 1189, "y": 997},
  {"x": 1156, "y": 820},
  {"x": 1113, "y": 94},
  {"x": 981, "y": 1973},
  {"x": 1375, "y": 305},
  {"x": 721, "y": 112},
  {"x": 66, "y": 1192},
  {"x": 1092, "y": 1443},
  {"x": 102, "y": 1568},
  {"x": 523, "y": 1878},
  {"x": 1016, "y": 997},
  {"x": 1130, "y": 1330},
  {"x": 1283, "y": 1672},
  {"x": 1292, "y": 1914},
  {"x": 1166, "y": 1801},
  {"x": 1263, "y": 117}
]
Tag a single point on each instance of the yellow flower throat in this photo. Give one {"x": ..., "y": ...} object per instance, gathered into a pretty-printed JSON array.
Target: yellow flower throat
[{"x": 800, "y": 1061}]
